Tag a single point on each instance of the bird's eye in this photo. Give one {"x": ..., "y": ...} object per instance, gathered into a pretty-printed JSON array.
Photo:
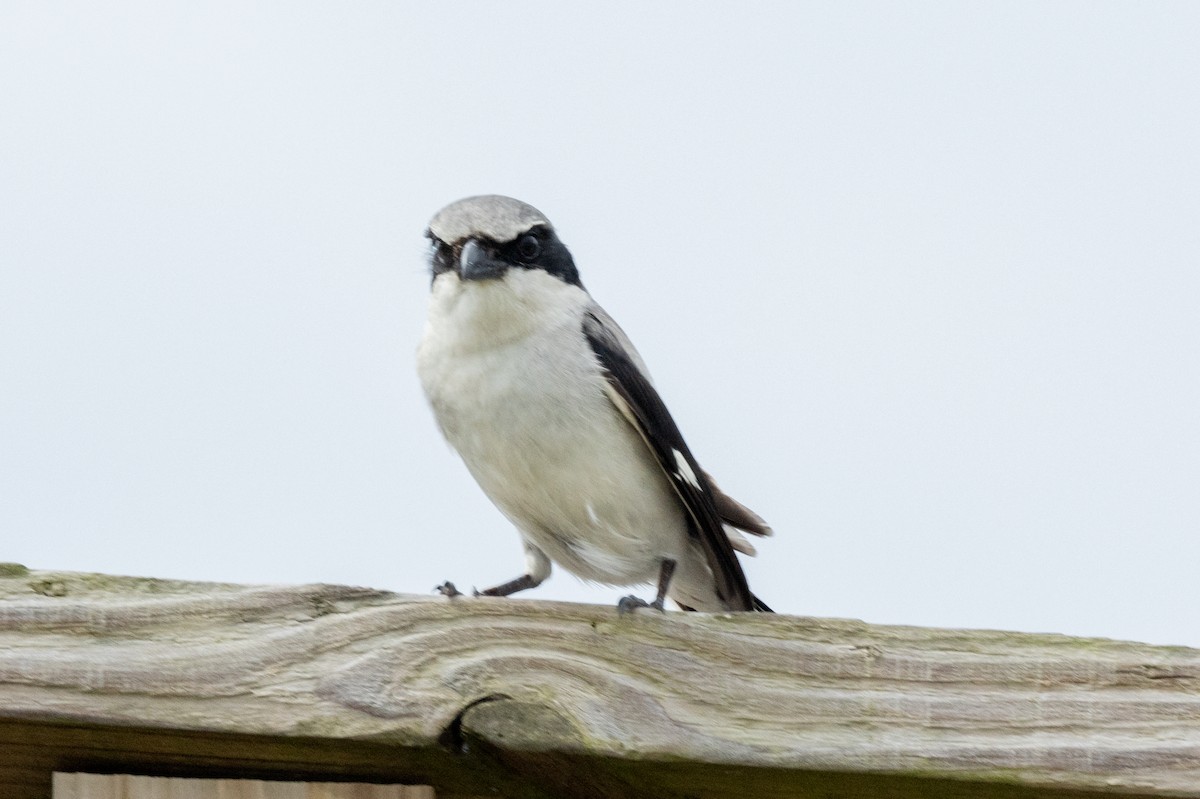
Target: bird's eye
[{"x": 528, "y": 248}]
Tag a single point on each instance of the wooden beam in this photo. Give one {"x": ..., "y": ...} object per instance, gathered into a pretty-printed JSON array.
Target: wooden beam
[
  {"x": 125, "y": 786},
  {"x": 532, "y": 698}
]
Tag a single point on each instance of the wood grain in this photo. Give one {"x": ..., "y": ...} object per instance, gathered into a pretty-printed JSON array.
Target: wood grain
[
  {"x": 125, "y": 786},
  {"x": 531, "y": 683}
]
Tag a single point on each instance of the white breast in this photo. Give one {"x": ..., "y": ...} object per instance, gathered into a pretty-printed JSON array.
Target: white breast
[{"x": 519, "y": 394}]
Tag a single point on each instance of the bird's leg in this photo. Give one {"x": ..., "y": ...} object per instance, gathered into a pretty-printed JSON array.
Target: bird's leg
[
  {"x": 537, "y": 570},
  {"x": 631, "y": 603},
  {"x": 522, "y": 583},
  {"x": 664, "y": 582}
]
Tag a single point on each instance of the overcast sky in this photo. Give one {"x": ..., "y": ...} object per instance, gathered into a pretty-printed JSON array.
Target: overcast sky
[{"x": 920, "y": 283}]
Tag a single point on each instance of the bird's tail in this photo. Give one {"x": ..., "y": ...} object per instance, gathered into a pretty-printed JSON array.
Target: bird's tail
[
  {"x": 759, "y": 605},
  {"x": 756, "y": 605}
]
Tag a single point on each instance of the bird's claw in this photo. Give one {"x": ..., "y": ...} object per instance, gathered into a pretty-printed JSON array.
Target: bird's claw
[
  {"x": 629, "y": 604},
  {"x": 448, "y": 589}
]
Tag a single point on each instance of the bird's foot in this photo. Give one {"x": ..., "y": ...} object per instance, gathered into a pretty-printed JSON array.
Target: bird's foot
[
  {"x": 448, "y": 589},
  {"x": 629, "y": 604}
]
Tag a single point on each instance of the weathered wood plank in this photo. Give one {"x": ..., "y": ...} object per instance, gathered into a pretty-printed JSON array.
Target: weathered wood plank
[
  {"x": 30, "y": 752},
  {"x": 540, "y": 687},
  {"x": 126, "y": 786}
]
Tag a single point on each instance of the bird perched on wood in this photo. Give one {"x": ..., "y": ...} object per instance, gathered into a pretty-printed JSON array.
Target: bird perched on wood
[{"x": 552, "y": 410}]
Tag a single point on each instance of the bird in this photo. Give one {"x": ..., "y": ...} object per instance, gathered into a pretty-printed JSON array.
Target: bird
[{"x": 555, "y": 415}]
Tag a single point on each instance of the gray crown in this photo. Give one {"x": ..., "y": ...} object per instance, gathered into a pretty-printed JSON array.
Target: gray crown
[{"x": 488, "y": 216}]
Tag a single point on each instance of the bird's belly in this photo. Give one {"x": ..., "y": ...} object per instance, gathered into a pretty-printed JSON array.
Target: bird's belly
[
  {"x": 608, "y": 519},
  {"x": 556, "y": 457}
]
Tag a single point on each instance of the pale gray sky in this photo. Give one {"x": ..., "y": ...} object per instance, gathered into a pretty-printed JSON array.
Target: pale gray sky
[{"x": 920, "y": 282}]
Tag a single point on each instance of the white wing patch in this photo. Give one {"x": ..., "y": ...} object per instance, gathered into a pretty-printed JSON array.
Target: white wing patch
[
  {"x": 739, "y": 542},
  {"x": 683, "y": 470}
]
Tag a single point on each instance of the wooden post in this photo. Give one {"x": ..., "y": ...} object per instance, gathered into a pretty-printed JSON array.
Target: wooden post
[{"x": 522, "y": 698}]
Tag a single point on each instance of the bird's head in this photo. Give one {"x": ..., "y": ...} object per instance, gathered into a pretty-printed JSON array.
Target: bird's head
[{"x": 483, "y": 238}]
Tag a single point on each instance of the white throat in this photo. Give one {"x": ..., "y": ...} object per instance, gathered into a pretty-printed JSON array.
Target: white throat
[{"x": 468, "y": 316}]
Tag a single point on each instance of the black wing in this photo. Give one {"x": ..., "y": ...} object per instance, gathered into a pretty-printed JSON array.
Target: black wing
[{"x": 640, "y": 403}]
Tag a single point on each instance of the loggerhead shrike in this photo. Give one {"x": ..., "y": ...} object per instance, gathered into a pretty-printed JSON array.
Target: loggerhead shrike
[{"x": 554, "y": 414}]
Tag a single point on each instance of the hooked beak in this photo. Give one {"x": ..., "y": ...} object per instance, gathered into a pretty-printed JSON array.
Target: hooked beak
[{"x": 476, "y": 262}]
